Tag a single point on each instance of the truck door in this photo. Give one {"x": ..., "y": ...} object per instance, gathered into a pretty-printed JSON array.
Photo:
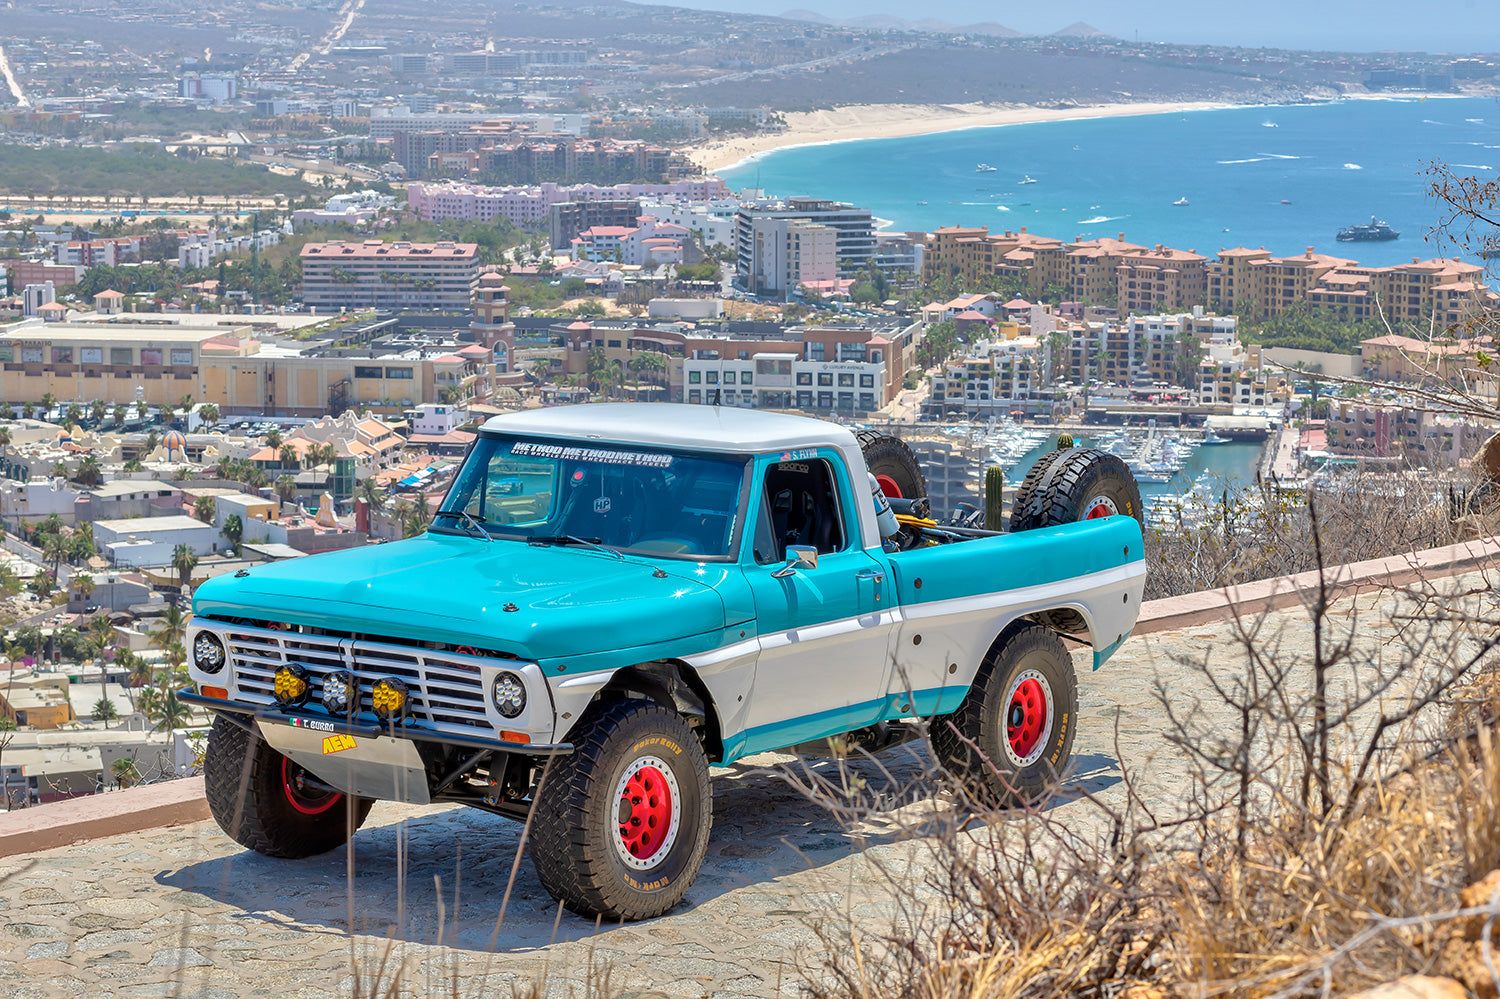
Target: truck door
[{"x": 823, "y": 630}]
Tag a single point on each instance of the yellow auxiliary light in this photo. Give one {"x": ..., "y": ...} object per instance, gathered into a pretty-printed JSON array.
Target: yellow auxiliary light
[
  {"x": 291, "y": 686},
  {"x": 388, "y": 698}
]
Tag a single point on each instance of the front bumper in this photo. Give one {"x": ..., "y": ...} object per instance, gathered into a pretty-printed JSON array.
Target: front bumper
[{"x": 242, "y": 711}]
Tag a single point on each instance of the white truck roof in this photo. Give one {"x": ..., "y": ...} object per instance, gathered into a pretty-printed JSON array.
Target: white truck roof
[
  {"x": 724, "y": 429},
  {"x": 711, "y": 428}
]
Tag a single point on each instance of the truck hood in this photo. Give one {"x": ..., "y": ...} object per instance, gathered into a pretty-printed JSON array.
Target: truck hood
[{"x": 537, "y": 602}]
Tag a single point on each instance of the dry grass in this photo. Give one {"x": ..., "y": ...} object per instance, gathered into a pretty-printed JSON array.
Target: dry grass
[
  {"x": 1258, "y": 533},
  {"x": 1321, "y": 846}
]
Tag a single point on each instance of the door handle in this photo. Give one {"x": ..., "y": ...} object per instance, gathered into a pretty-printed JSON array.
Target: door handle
[{"x": 877, "y": 575}]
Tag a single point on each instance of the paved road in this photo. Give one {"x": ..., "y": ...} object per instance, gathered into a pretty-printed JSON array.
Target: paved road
[{"x": 186, "y": 912}]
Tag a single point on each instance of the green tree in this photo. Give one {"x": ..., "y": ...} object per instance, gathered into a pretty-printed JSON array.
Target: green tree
[
  {"x": 233, "y": 531},
  {"x": 184, "y": 560},
  {"x": 203, "y": 509},
  {"x": 172, "y": 629},
  {"x": 286, "y": 488},
  {"x": 89, "y": 473},
  {"x": 104, "y": 710}
]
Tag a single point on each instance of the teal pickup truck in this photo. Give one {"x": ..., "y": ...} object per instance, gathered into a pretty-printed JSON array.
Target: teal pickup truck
[{"x": 611, "y": 598}]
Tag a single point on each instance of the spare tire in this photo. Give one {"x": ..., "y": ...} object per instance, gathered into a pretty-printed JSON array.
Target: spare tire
[
  {"x": 893, "y": 464},
  {"x": 1068, "y": 485}
]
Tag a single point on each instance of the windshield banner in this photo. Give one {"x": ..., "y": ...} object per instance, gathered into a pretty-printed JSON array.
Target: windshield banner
[{"x": 598, "y": 456}]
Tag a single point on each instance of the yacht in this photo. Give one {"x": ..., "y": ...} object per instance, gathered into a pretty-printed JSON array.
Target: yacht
[
  {"x": 984, "y": 168},
  {"x": 1026, "y": 179},
  {"x": 1181, "y": 202},
  {"x": 1213, "y": 438},
  {"x": 1376, "y": 231}
]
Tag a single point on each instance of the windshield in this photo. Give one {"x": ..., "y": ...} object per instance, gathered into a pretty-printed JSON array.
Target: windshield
[{"x": 625, "y": 497}]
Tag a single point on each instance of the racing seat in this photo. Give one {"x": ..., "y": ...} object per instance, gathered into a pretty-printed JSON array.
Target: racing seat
[{"x": 802, "y": 507}]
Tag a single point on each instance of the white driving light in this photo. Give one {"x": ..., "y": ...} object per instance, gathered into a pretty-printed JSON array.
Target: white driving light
[
  {"x": 509, "y": 694},
  {"x": 208, "y": 652},
  {"x": 339, "y": 693}
]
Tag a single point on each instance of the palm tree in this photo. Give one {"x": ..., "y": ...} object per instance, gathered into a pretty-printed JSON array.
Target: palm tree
[
  {"x": 104, "y": 710},
  {"x": 166, "y": 710},
  {"x": 184, "y": 560},
  {"x": 286, "y": 488},
  {"x": 273, "y": 440},
  {"x": 369, "y": 490},
  {"x": 288, "y": 455},
  {"x": 97, "y": 409},
  {"x": 141, "y": 409},
  {"x": 4, "y": 437},
  {"x": 124, "y": 772},
  {"x": 75, "y": 414},
  {"x": 209, "y": 413},
  {"x": 101, "y": 635},
  {"x": 83, "y": 585},
  {"x": 152, "y": 441},
  {"x": 118, "y": 416},
  {"x": 233, "y": 530},
  {"x": 89, "y": 473},
  {"x": 173, "y": 629},
  {"x": 48, "y": 401},
  {"x": 56, "y": 548},
  {"x": 203, "y": 509},
  {"x": 185, "y": 404}
]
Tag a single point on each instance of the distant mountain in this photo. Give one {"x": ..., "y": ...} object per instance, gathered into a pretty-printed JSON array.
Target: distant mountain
[
  {"x": 1079, "y": 29},
  {"x": 889, "y": 22}
]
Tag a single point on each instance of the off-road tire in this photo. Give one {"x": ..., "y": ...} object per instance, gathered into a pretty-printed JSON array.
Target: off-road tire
[
  {"x": 576, "y": 821},
  {"x": 244, "y": 781},
  {"x": 889, "y": 458},
  {"x": 1000, "y": 776},
  {"x": 1062, "y": 487},
  {"x": 1069, "y": 485}
]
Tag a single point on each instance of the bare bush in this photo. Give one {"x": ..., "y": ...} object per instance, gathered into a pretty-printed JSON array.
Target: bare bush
[
  {"x": 1333, "y": 813},
  {"x": 1263, "y": 531}
]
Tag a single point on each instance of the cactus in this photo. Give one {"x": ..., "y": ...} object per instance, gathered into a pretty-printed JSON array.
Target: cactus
[{"x": 994, "y": 497}]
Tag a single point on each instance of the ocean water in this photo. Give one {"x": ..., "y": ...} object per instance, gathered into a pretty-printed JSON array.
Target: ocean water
[{"x": 1334, "y": 164}]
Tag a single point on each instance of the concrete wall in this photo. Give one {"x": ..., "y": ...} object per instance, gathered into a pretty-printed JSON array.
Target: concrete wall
[{"x": 1341, "y": 365}]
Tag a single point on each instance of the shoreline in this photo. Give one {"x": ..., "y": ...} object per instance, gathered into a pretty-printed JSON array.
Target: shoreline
[{"x": 858, "y": 122}]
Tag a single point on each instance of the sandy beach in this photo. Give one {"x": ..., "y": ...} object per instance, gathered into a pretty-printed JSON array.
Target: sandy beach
[{"x": 888, "y": 121}]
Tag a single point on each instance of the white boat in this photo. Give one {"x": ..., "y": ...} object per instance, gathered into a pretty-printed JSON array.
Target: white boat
[
  {"x": 1213, "y": 438},
  {"x": 1026, "y": 179},
  {"x": 1268, "y": 124},
  {"x": 1181, "y": 202},
  {"x": 984, "y": 168}
]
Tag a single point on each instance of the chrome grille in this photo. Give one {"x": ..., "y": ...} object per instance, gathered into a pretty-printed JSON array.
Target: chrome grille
[{"x": 447, "y": 688}]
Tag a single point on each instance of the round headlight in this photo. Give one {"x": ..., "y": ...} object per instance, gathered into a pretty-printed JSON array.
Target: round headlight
[
  {"x": 208, "y": 652},
  {"x": 339, "y": 693},
  {"x": 509, "y": 694}
]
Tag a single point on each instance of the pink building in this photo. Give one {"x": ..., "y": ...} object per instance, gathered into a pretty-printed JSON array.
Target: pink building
[{"x": 527, "y": 207}]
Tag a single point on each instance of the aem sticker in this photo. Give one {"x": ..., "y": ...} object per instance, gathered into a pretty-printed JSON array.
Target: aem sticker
[{"x": 337, "y": 744}]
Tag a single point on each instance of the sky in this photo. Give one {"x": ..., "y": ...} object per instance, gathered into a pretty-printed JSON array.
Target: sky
[{"x": 1347, "y": 25}]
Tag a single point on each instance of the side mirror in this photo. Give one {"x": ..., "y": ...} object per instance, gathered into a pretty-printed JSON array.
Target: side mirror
[{"x": 797, "y": 557}]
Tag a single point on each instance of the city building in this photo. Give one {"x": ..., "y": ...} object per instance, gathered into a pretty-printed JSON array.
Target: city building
[
  {"x": 762, "y": 248},
  {"x": 529, "y": 207},
  {"x": 24, "y": 272},
  {"x": 400, "y": 275},
  {"x": 786, "y": 254},
  {"x": 851, "y": 369},
  {"x": 215, "y": 88},
  {"x": 133, "y": 542},
  {"x": 35, "y": 297},
  {"x": 1406, "y": 433},
  {"x": 566, "y": 219},
  {"x": 998, "y": 378},
  {"x": 635, "y": 246},
  {"x": 491, "y": 327}
]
